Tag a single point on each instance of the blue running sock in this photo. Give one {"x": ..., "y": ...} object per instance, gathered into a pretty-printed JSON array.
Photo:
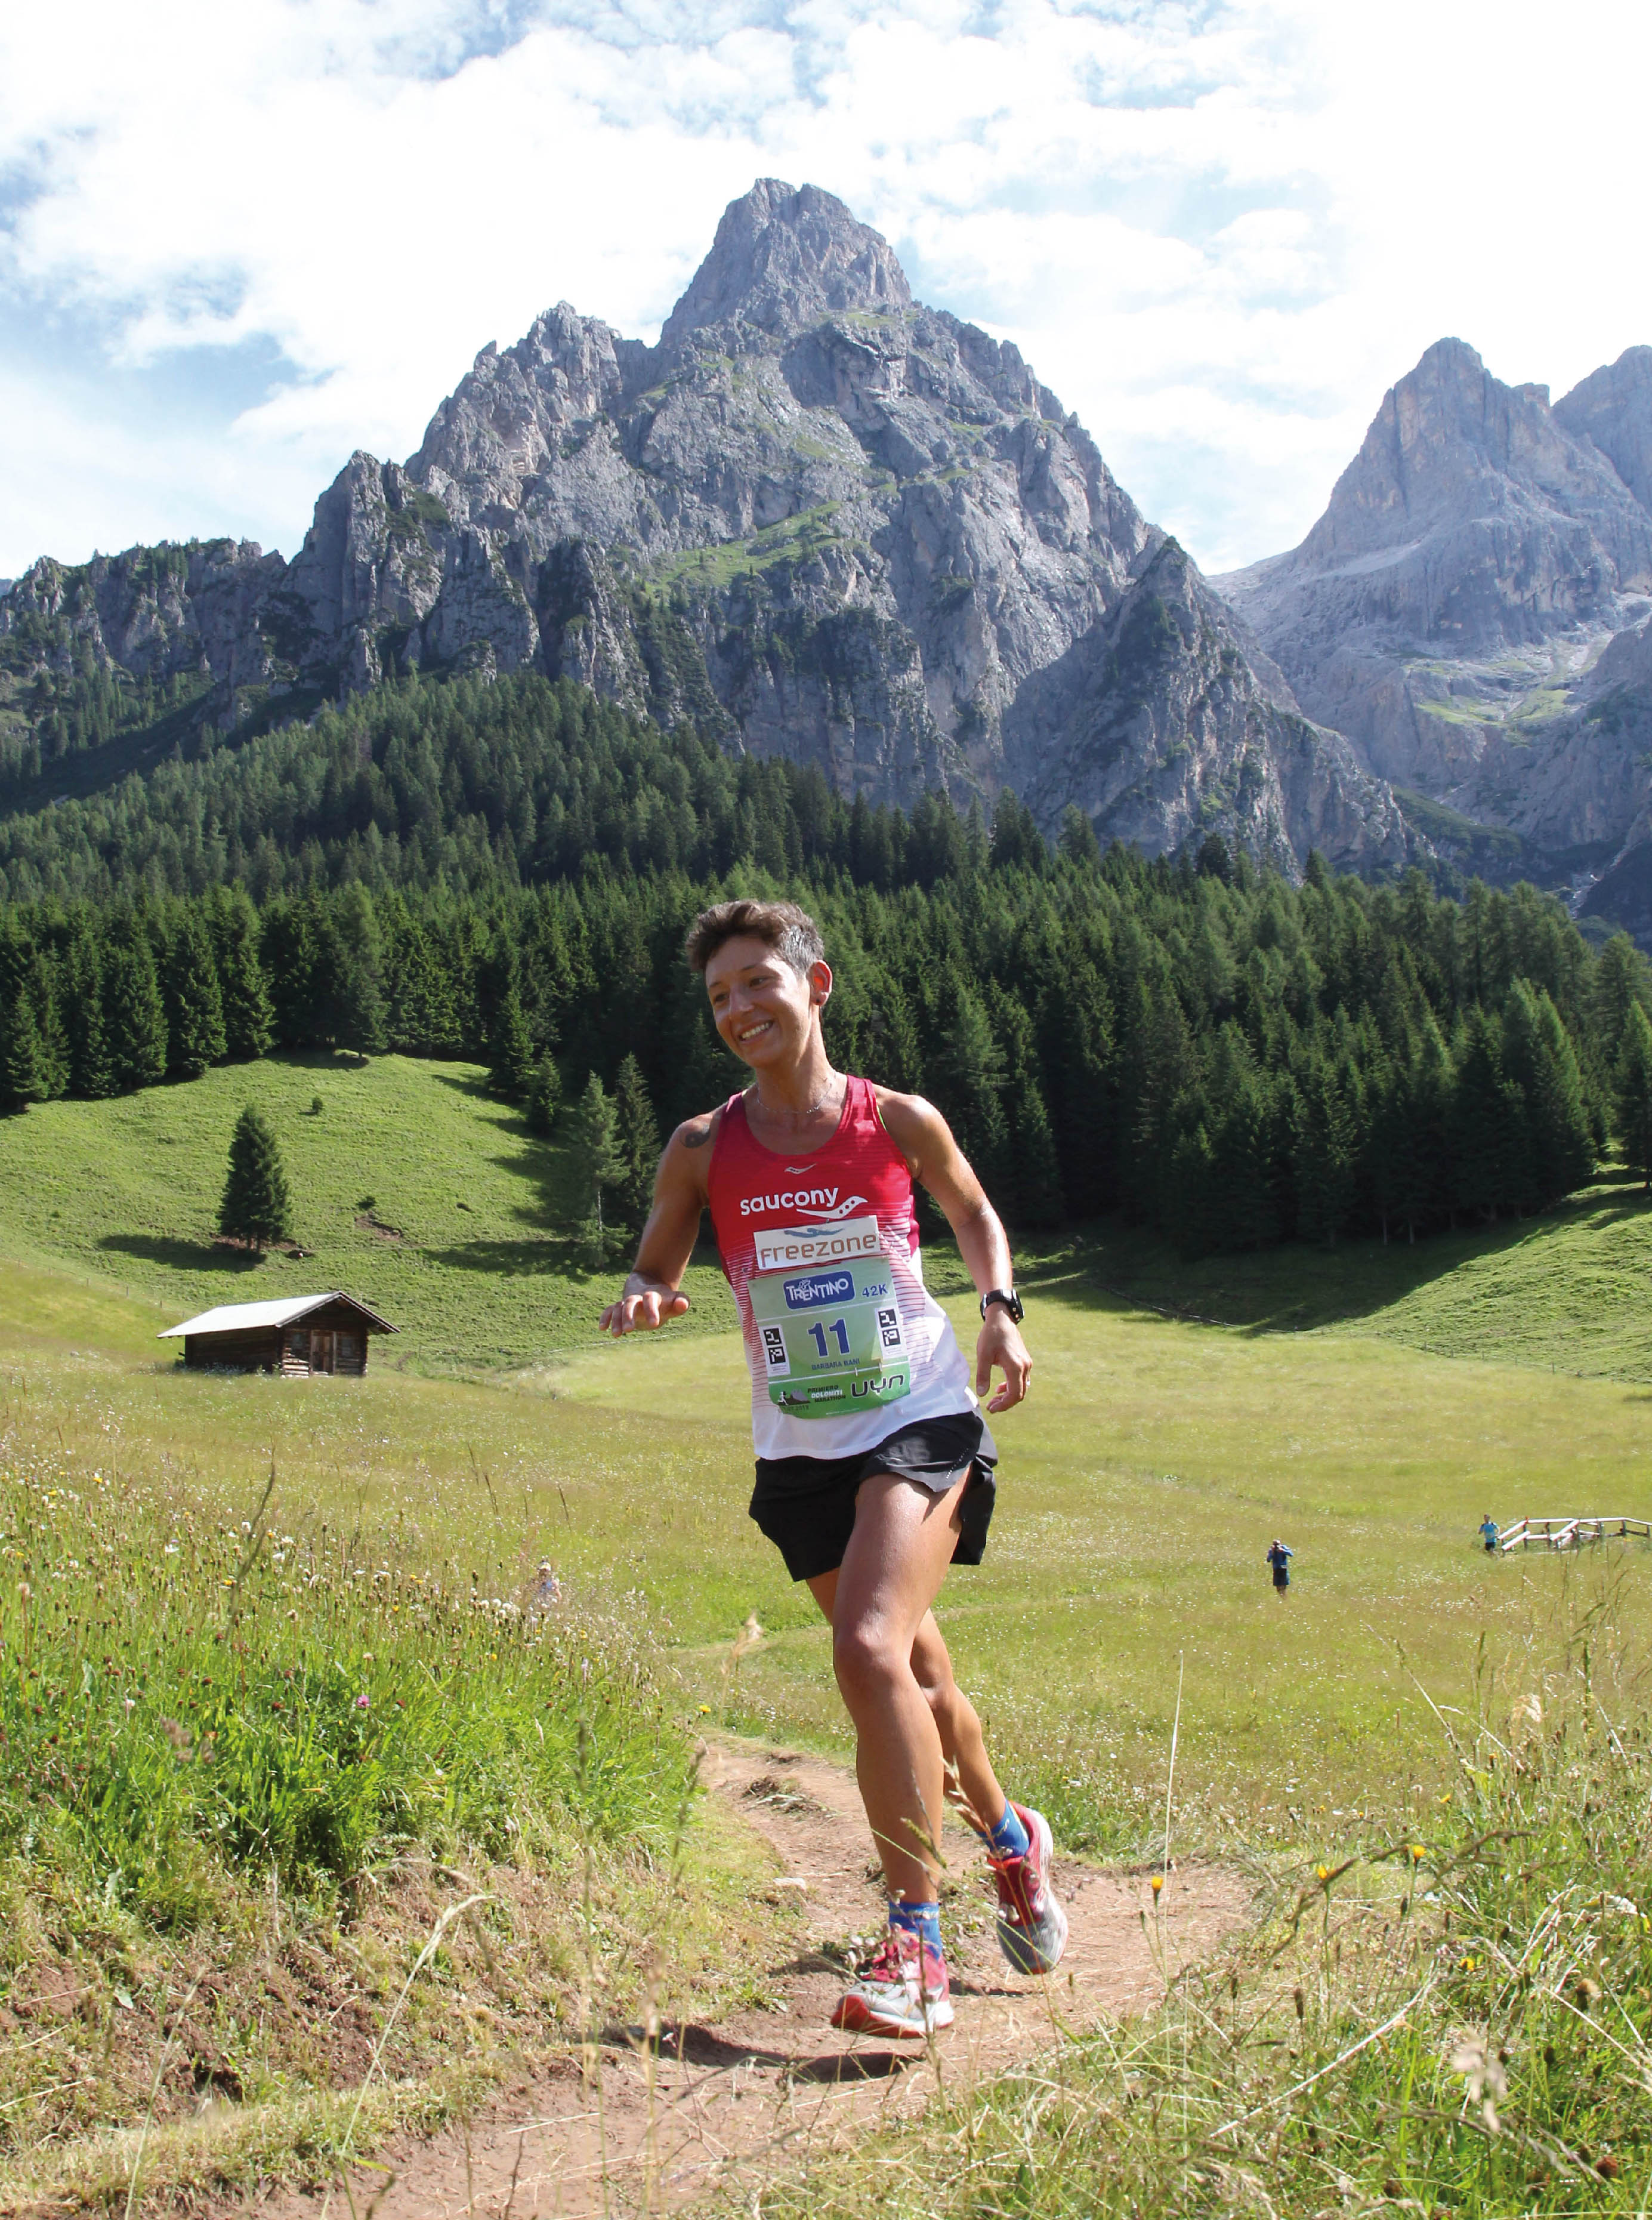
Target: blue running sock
[
  {"x": 1009, "y": 1838},
  {"x": 923, "y": 1920}
]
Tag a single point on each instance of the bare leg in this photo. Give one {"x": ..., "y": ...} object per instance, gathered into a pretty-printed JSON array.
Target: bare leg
[
  {"x": 963, "y": 1744},
  {"x": 964, "y": 1747},
  {"x": 895, "y": 1676}
]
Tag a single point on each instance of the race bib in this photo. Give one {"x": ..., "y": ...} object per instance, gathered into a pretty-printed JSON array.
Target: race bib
[{"x": 824, "y": 1304}]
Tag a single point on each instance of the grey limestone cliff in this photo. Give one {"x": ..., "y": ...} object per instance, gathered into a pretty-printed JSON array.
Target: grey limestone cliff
[
  {"x": 1467, "y": 609},
  {"x": 820, "y": 520}
]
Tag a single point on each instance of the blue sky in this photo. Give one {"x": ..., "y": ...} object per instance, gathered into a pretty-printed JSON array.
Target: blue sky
[{"x": 238, "y": 242}]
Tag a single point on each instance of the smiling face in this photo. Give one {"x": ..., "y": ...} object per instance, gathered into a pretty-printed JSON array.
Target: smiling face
[{"x": 768, "y": 1013}]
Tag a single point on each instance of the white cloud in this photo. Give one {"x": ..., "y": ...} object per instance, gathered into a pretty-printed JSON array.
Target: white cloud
[{"x": 1217, "y": 231}]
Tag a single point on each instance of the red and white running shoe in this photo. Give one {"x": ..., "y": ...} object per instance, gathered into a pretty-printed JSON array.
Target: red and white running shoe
[
  {"x": 1032, "y": 1926},
  {"x": 901, "y": 1990}
]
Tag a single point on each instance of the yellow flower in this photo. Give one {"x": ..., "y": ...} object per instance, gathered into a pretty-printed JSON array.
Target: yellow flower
[
  {"x": 1323, "y": 1872},
  {"x": 1158, "y": 1883}
]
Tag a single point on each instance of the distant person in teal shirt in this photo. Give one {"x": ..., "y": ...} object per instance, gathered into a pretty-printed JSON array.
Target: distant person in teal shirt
[
  {"x": 1489, "y": 1535},
  {"x": 1279, "y": 1558}
]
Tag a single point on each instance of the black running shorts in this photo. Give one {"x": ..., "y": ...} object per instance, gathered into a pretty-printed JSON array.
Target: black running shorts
[{"x": 806, "y": 1505}]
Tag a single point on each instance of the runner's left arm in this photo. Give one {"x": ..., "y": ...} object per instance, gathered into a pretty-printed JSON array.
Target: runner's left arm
[
  {"x": 653, "y": 1292},
  {"x": 927, "y": 1141}
]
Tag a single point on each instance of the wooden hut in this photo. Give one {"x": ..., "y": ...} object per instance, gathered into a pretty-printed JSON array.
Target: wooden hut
[{"x": 304, "y": 1334}]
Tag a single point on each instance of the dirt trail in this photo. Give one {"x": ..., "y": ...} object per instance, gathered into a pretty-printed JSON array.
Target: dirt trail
[{"x": 750, "y": 2091}]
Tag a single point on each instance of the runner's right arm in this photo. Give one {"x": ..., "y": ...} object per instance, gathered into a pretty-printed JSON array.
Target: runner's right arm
[{"x": 653, "y": 1291}]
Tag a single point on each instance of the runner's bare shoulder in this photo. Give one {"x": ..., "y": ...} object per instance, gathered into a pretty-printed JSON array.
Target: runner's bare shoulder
[
  {"x": 915, "y": 1125},
  {"x": 688, "y": 1150}
]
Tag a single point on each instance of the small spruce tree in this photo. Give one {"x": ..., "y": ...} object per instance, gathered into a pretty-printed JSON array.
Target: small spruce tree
[
  {"x": 257, "y": 1207},
  {"x": 599, "y": 1163},
  {"x": 543, "y": 1097},
  {"x": 510, "y": 1052},
  {"x": 639, "y": 1140}
]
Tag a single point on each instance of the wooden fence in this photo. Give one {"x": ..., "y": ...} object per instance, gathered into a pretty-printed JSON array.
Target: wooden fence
[{"x": 1569, "y": 1533}]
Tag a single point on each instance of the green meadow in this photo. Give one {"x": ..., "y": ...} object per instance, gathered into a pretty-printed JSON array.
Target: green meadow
[
  {"x": 466, "y": 1245},
  {"x": 1369, "y": 1405}
]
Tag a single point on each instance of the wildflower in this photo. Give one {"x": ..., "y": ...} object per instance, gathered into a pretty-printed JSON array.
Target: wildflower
[
  {"x": 1417, "y": 1854},
  {"x": 1323, "y": 1872},
  {"x": 1158, "y": 1883},
  {"x": 704, "y": 1708},
  {"x": 361, "y": 1703},
  {"x": 1481, "y": 2067}
]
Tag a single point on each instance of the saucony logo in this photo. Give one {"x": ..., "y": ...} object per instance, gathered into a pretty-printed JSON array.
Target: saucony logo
[{"x": 820, "y": 1202}]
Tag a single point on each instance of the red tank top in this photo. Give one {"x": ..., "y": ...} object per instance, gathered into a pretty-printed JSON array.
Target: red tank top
[{"x": 843, "y": 1340}]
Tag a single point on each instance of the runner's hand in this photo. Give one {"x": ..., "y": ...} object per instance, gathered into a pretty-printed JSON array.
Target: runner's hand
[
  {"x": 645, "y": 1305},
  {"x": 1001, "y": 1344}
]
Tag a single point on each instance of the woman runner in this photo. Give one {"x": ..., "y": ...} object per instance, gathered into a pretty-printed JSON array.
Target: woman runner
[{"x": 875, "y": 1467}]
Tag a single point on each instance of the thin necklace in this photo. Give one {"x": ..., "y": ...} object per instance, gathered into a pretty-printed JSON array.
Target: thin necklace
[{"x": 798, "y": 1117}]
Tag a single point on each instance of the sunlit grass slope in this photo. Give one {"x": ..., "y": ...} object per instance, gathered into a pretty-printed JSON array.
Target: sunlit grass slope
[
  {"x": 484, "y": 1273},
  {"x": 1569, "y": 1290}
]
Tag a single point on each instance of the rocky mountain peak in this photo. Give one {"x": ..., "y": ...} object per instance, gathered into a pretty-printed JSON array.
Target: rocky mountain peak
[
  {"x": 1451, "y": 442},
  {"x": 783, "y": 257},
  {"x": 1612, "y": 410},
  {"x": 818, "y": 519}
]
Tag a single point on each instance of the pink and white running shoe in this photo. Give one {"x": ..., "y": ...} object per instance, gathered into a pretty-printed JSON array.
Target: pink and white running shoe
[
  {"x": 901, "y": 1990},
  {"x": 1032, "y": 1926}
]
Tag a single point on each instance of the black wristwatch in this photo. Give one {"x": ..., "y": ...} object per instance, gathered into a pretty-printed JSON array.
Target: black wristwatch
[{"x": 1009, "y": 1298}]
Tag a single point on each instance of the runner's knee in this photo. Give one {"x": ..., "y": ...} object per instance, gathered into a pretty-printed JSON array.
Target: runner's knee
[{"x": 864, "y": 1658}]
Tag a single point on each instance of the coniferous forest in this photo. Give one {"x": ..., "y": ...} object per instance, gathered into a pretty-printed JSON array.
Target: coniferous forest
[{"x": 506, "y": 870}]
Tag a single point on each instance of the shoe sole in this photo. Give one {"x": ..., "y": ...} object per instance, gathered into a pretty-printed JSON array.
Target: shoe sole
[
  {"x": 1020, "y": 1948},
  {"x": 853, "y": 2018}
]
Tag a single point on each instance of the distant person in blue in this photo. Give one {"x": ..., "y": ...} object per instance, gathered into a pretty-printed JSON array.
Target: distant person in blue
[
  {"x": 1489, "y": 1535},
  {"x": 1279, "y": 1558}
]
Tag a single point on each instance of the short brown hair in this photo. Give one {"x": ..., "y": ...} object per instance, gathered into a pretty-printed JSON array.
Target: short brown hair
[{"x": 791, "y": 932}]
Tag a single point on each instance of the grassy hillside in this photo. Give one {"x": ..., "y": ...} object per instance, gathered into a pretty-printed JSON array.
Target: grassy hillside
[
  {"x": 481, "y": 1274},
  {"x": 1568, "y": 1291},
  {"x": 477, "y": 1268}
]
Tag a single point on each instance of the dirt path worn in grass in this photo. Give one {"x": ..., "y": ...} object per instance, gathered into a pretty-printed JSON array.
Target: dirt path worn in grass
[{"x": 754, "y": 2091}]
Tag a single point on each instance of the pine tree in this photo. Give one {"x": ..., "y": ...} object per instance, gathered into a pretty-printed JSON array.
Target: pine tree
[
  {"x": 22, "y": 1076},
  {"x": 1487, "y": 1123},
  {"x": 1322, "y": 1157},
  {"x": 257, "y": 1207},
  {"x": 543, "y": 1097},
  {"x": 510, "y": 1052},
  {"x": 1078, "y": 842},
  {"x": 638, "y": 1137},
  {"x": 249, "y": 1021},
  {"x": 1032, "y": 1195},
  {"x": 1632, "y": 1095},
  {"x": 135, "y": 1017},
  {"x": 965, "y": 1068},
  {"x": 194, "y": 1014},
  {"x": 1539, "y": 1058},
  {"x": 357, "y": 1001},
  {"x": 599, "y": 1163}
]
